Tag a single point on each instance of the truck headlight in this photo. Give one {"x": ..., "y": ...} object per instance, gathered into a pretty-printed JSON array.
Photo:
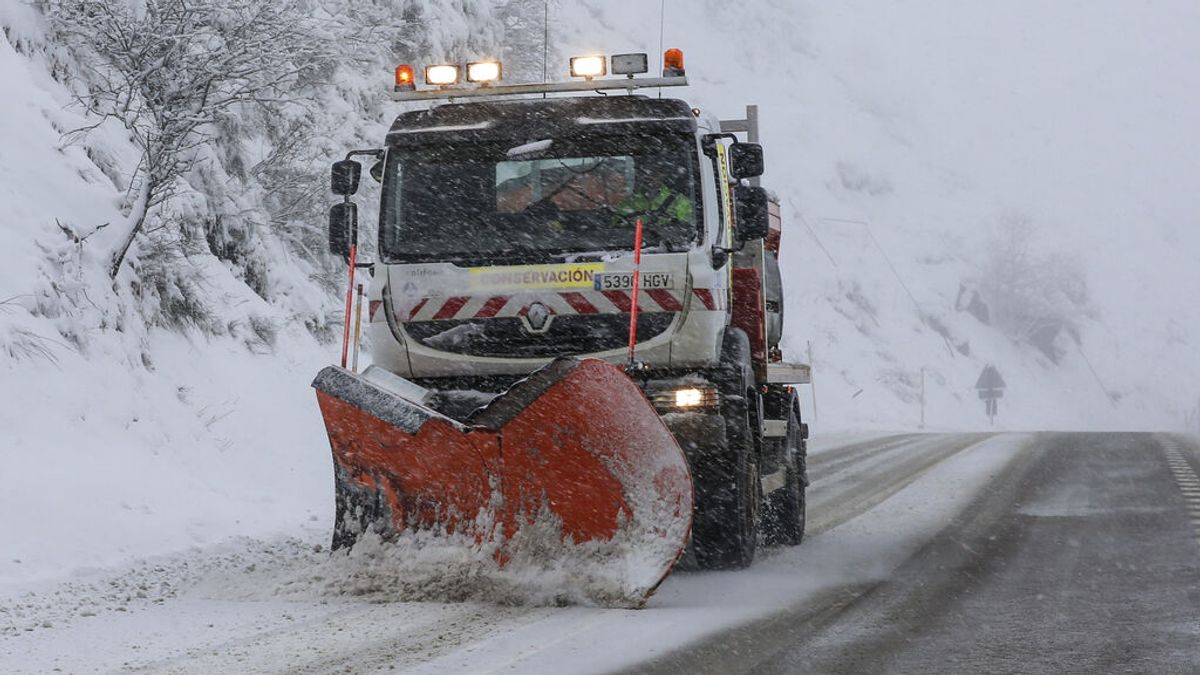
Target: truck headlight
[{"x": 689, "y": 397}]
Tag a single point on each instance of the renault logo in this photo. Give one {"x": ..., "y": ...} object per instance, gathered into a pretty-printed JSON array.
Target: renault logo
[{"x": 537, "y": 318}]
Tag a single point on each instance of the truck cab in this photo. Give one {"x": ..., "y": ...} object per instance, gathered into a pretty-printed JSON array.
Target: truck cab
[{"x": 507, "y": 230}]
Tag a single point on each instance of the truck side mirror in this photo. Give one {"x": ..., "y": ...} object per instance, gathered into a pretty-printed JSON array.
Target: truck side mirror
[
  {"x": 753, "y": 213},
  {"x": 746, "y": 160},
  {"x": 343, "y": 228},
  {"x": 344, "y": 177},
  {"x": 376, "y": 171}
]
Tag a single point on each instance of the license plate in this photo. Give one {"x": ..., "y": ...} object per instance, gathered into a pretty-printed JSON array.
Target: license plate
[{"x": 623, "y": 281}]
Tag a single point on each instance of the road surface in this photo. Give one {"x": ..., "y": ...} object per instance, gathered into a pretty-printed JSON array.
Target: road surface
[
  {"x": 926, "y": 553},
  {"x": 1082, "y": 556}
]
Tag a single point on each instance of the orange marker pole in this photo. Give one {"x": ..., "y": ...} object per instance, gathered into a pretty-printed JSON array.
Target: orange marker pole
[
  {"x": 637, "y": 284},
  {"x": 349, "y": 305}
]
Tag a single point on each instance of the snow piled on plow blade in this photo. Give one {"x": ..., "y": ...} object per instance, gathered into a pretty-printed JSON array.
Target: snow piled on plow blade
[{"x": 567, "y": 488}]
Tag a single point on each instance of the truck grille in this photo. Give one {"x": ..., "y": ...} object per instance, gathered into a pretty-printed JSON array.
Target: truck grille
[{"x": 568, "y": 335}]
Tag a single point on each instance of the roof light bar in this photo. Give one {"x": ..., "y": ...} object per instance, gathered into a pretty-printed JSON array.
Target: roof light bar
[
  {"x": 625, "y": 84},
  {"x": 485, "y": 75}
]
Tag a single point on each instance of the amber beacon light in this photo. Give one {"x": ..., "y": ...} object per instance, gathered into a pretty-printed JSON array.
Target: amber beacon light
[
  {"x": 673, "y": 63},
  {"x": 404, "y": 78}
]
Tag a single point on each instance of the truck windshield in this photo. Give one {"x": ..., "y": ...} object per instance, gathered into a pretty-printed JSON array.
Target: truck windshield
[{"x": 540, "y": 199}]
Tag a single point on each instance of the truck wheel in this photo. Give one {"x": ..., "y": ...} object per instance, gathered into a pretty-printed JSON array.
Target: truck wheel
[
  {"x": 786, "y": 508},
  {"x": 728, "y": 487}
]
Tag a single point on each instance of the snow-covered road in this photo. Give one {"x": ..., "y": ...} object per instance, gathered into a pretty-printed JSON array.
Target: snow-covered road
[
  {"x": 280, "y": 606},
  {"x": 1080, "y": 557}
]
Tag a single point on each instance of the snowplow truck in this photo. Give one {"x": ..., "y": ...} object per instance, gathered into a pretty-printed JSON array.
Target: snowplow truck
[{"x": 574, "y": 316}]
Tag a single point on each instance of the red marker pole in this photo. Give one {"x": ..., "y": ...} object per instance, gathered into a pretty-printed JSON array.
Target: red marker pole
[
  {"x": 357, "y": 328},
  {"x": 637, "y": 284},
  {"x": 349, "y": 305}
]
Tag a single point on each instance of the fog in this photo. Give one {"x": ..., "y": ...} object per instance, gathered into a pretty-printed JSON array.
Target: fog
[{"x": 1075, "y": 118}]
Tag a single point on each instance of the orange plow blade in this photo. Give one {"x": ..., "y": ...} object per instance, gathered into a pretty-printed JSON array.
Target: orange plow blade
[{"x": 570, "y": 464}]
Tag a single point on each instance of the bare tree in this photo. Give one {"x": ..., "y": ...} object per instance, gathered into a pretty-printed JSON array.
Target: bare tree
[
  {"x": 1033, "y": 296},
  {"x": 169, "y": 70}
]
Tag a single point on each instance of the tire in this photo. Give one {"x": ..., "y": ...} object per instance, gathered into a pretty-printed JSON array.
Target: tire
[
  {"x": 786, "y": 509},
  {"x": 725, "y": 529}
]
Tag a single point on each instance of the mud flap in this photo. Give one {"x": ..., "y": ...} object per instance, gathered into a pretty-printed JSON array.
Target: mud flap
[{"x": 572, "y": 461}]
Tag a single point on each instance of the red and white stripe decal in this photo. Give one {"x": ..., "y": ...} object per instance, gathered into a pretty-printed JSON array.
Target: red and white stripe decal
[
  {"x": 711, "y": 299},
  {"x": 665, "y": 299},
  {"x": 579, "y": 303},
  {"x": 655, "y": 300},
  {"x": 450, "y": 308}
]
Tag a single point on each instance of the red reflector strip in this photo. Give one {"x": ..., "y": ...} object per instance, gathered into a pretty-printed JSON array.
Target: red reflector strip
[
  {"x": 705, "y": 295},
  {"x": 449, "y": 309},
  {"x": 561, "y": 302},
  {"x": 492, "y": 307},
  {"x": 372, "y": 307},
  {"x": 619, "y": 298},
  {"x": 665, "y": 300},
  {"x": 579, "y": 303},
  {"x": 416, "y": 308}
]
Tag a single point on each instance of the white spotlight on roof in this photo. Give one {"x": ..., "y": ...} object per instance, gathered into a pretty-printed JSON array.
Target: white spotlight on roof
[
  {"x": 588, "y": 66},
  {"x": 441, "y": 75},
  {"x": 483, "y": 71},
  {"x": 630, "y": 64}
]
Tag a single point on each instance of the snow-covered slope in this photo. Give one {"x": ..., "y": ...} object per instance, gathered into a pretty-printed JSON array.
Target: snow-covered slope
[
  {"x": 126, "y": 439},
  {"x": 905, "y": 137},
  {"x": 172, "y": 407}
]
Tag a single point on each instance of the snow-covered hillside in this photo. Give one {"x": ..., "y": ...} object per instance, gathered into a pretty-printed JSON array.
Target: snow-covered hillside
[
  {"x": 172, "y": 407},
  {"x": 906, "y": 138},
  {"x": 140, "y": 416}
]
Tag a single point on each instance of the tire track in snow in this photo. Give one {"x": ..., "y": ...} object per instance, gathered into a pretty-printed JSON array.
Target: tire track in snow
[
  {"x": 837, "y": 458},
  {"x": 852, "y": 493}
]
